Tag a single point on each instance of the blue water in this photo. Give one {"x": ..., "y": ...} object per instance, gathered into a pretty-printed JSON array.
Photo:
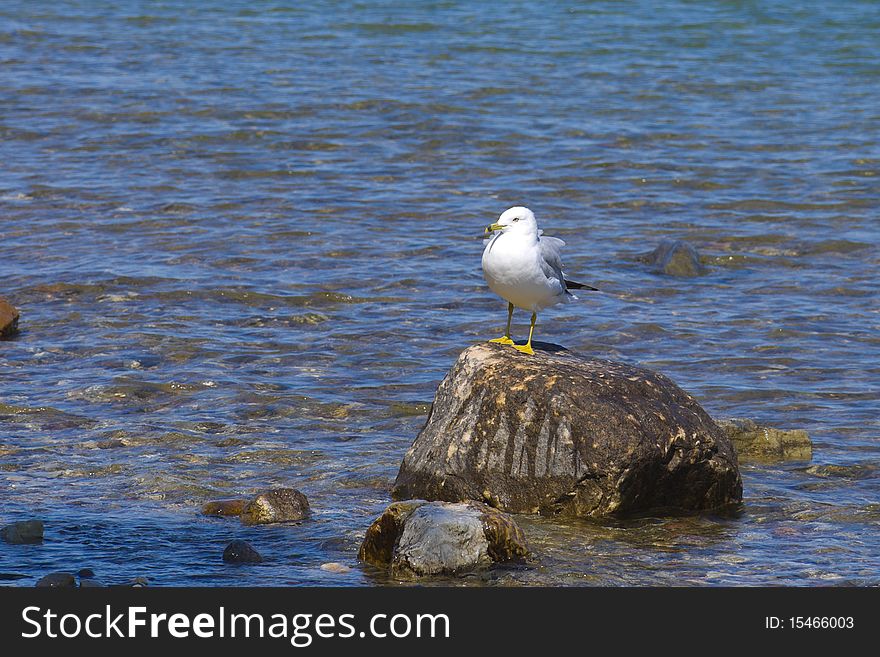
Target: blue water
[{"x": 244, "y": 239}]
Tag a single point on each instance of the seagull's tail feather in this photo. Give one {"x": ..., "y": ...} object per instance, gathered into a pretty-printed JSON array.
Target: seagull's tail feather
[{"x": 574, "y": 285}]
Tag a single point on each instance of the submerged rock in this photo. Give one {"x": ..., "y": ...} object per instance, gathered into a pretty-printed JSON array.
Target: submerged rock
[
  {"x": 8, "y": 319},
  {"x": 57, "y": 580},
  {"x": 91, "y": 584},
  {"x": 224, "y": 508},
  {"x": 419, "y": 538},
  {"x": 279, "y": 505},
  {"x": 241, "y": 552},
  {"x": 136, "y": 583},
  {"x": 754, "y": 442},
  {"x": 335, "y": 567},
  {"x": 566, "y": 434},
  {"x": 675, "y": 258},
  {"x": 26, "y": 531}
]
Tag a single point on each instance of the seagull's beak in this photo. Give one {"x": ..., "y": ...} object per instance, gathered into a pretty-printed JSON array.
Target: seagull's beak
[{"x": 493, "y": 227}]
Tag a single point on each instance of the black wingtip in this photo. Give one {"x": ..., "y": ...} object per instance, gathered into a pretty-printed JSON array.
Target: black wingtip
[{"x": 574, "y": 285}]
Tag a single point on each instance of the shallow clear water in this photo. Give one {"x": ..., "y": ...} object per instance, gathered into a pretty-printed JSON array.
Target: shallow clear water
[{"x": 244, "y": 240}]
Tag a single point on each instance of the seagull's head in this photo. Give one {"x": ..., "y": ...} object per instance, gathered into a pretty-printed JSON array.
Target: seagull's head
[{"x": 517, "y": 219}]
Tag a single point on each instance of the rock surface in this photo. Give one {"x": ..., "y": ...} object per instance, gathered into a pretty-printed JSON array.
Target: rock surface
[
  {"x": 566, "y": 434},
  {"x": 57, "y": 580},
  {"x": 335, "y": 567},
  {"x": 224, "y": 508},
  {"x": 675, "y": 258},
  {"x": 8, "y": 319},
  {"x": 136, "y": 583},
  {"x": 241, "y": 552},
  {"x": 26, "y": 531},
  {"x": 754, "y": 442},
  {"x": 418, "y": 538},
  {"x": 279, "y": 505}
]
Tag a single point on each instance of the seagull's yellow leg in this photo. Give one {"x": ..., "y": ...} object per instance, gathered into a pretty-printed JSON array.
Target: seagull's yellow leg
[
  {"x": 505, "y": 339},
  {"x": 527, "y": 347}
]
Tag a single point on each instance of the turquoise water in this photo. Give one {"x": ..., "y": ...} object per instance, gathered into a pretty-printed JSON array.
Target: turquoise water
[{"x": 244, "y": 238}]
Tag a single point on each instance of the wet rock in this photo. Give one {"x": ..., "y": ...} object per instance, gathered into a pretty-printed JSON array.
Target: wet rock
[
  {"x": 57, "y": 580},
  {"x": 86, "y": 573},
  {"x": 675, "y": 258},
  {"x": 417, "y": 538},
  {"x": 334, "y": 567},
  {"x": 136, "y": 583},
  {"x": 381, "y": 537},
  {"x": 848, "y": 472},
  {"x": 224, "y": 508},
  {"x": 8, "y": 319},
  {"x": 26, "y": 531},
  {"x": 241, "y": 552},
  {"x": 279, "y": 505},
  {"x": 566, "y": 434},
  {"x": 90, "y": 584},
  {"x": 754, "y": 442},
  {"x": 112, "y": 443}
]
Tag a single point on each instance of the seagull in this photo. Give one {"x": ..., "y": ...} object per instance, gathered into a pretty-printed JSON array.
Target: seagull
[{"x": 524, "y": 268}]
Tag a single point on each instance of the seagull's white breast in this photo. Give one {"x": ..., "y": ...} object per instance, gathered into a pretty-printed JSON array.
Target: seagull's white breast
[{"x": 512, "y": 268}]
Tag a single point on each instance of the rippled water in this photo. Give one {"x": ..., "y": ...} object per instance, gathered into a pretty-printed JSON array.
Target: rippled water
[{"x": 243, "y": 238}]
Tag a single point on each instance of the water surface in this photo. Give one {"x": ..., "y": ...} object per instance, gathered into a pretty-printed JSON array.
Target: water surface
[{"x": 244, "y": 240}]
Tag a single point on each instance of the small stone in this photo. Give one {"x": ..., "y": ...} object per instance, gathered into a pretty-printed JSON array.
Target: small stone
[
  {"x": 334, "y": 567},
  {"x": 675, "y": 258},
  {"x": 86, "y": 573},
  {"x": 241, "y": 552},
  {"x": 8, "y": 319},
  {"x": 25, "y": 531},
  {"x": 224, "y": 508},
  {"x": 279, "y": 505},
  {"x": 754, "y": 442},
  {"x": 440, "y": 538},
  {"x": 136, "y": 583},
  {"x": 57, "y": 580}
]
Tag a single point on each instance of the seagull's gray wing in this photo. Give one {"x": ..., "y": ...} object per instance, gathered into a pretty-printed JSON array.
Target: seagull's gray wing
[{"x": 551, "y": 258}]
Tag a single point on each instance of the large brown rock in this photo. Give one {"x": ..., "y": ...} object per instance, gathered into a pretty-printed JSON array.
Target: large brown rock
[
  {"x": 8, "y": 319},
  {"x": 562, "y": 433}
]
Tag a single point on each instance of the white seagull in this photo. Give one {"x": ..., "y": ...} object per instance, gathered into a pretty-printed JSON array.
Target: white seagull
[{"x": 524, "y": 268}]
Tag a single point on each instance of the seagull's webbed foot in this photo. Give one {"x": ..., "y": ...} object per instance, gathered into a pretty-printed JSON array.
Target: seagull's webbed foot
[
  {"x": 527, "y": 347},
  {"x": 504, "y": 339}
]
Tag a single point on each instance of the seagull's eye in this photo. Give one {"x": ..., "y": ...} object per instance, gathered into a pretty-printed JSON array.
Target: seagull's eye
[{"x": 516, "y": 218}]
